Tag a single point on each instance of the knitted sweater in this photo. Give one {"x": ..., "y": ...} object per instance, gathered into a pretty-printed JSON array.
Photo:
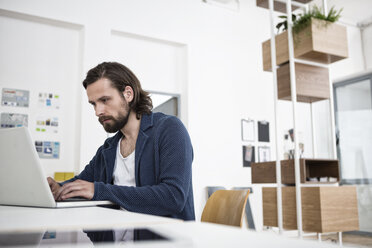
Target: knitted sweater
[{"x": 163, "y": 159}]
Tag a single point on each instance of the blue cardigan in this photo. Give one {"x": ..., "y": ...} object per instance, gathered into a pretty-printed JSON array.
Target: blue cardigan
[{"x": 163, "y": 159}]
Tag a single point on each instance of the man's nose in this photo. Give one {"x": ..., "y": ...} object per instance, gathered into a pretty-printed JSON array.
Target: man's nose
[{"x": 100, "y": 110}]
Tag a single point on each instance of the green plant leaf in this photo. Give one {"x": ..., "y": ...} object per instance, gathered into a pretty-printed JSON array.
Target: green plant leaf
[{"x": 303, "y": 20}]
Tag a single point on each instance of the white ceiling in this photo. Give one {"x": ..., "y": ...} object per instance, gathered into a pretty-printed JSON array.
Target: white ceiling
[{"x": 354, "y": 11}]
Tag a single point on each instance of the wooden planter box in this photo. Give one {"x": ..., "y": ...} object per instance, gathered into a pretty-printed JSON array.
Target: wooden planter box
[
  {"x": 279, "y": 6},
  {"x": 265, "y": 172},
  {"x": 321, "y": 42},
  {"x": 312, "y": 83},
  {"x": 324, "y": 209}
]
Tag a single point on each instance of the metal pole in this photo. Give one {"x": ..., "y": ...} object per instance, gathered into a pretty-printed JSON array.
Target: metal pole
[
  {"x": 325, "y": 8},
  {"x": 340, "y": 238},
  {"x": 275, "y": 87},
  {"x": 331, "y": 110},
  {"x": 294, "y": 109},
  {"x": 332, "y": 113},
  {"x": 313, "y": 130}
]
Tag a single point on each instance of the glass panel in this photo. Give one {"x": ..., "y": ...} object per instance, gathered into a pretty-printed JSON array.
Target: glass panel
[
  {"x": 356, "y": 96},
  {"x": 354, "y": 123}
]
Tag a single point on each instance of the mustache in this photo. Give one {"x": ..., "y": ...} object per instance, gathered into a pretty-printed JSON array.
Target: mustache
[{"x": 101, "y": 119}]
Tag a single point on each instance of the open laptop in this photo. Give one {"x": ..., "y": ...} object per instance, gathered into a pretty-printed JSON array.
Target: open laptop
[{"x": 23, "y": 182}]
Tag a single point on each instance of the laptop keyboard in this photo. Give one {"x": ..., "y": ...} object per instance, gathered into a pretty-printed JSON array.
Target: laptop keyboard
[{"x": 76, "y": 198}]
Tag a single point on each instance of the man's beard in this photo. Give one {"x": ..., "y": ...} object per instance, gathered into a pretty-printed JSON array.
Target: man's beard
[{"x": 118, "y": 123}]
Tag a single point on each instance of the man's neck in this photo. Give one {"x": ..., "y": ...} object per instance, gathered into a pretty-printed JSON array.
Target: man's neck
[{"x": 131, "y": 129}]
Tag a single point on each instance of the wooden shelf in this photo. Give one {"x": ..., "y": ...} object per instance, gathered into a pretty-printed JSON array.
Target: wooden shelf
[
  {"x": 309, "y": 168},
  {"x": 279, "y": 6},
  {"x": 324, "y": 209},
  {"x": 312, "y": 83},
  {"x": 321, "y": 42}
]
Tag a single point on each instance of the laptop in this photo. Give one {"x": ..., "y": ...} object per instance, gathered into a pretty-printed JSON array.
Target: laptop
[{"x": 23, "y": 182}]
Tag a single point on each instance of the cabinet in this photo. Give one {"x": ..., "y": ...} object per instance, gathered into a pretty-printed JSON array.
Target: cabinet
[
  {"x": 324, "y": 209},
  {"x": 322, "y": 170},
  {"x": 321, "y": 42},
  {"x": 312, "y": 83}
]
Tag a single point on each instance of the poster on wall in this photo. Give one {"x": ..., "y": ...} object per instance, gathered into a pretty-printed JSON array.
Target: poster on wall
[
  {"x": 49, "y": 100},
  {"x": 248, "y": 155},
  {"x": 15, "y": 98},
  {"x": 47, "y": 124},
  {"x": 247, "y": 130},
  {"x": 47, "y": 149},
  {"x": 263, "y": 153},
  {"x": 9, "y": 120},
  {"x": 263, "y": 131}
]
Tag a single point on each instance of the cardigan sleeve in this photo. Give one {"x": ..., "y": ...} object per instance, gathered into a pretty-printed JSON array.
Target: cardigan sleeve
[
  {"x": 169, "y": 195},
  {"x": 88, "y": 173}
]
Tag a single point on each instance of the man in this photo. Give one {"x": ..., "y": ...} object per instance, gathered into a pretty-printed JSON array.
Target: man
[{"x": 146, "y": 166}]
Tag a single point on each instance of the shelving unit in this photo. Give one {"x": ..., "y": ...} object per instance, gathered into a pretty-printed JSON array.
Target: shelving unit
[
  {"x": 310, "y": 168},
  {"x": 324, "y": 209},
  {"x": 303, "y": 65}
]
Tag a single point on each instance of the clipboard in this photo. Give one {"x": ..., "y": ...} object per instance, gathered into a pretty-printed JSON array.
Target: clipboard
[{"x": 247, "y": 130}]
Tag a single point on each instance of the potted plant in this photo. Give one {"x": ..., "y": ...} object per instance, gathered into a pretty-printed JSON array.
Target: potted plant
[{"x": 316, "y": 38}]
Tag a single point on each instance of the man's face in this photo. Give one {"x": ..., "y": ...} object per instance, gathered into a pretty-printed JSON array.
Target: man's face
[{"x": 111, "y": 108}]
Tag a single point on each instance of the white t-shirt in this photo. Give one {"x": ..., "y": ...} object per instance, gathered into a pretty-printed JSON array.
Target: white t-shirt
[
  {"x": 124, "y": 176},
  {"x": 124, "y": 169}
]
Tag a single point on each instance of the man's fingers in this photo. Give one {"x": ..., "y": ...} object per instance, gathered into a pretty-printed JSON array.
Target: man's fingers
[
  {"x": 50, "y": 181},
  {"x": 69, "y": 195},
  {"x": 67, "y": 188},
  {"x": 75, "y": 186}
]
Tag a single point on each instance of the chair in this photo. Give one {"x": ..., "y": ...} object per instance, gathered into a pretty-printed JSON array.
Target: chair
[
  {"x": 248, "y": 209},
  {"x": 226, "y": 207}
]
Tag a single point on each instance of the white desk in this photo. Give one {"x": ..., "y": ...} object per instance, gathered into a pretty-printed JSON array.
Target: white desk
[
  {"x": 183, "y": 234},
  {"x": 29, "y": 219}
]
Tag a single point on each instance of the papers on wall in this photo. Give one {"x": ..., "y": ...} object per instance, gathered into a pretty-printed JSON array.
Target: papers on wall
[
  {"x": 15, "y": 98},
  {"x": 48, "y": 100},
  {"x": 46, "y": 120},
  {"x": 47, "y": 149},
  {"x": 263, "y": 153},
  {"x": 248, "y": 155},
  {"x": 9, "y": 120},
  {"x": 263, "y": 131},
  {"x": 47, "y": 124},
  {"x": 247, "y": 130}
]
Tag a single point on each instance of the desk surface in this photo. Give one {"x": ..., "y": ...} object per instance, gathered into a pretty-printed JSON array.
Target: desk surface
[
  {"x": 183, "y": 234},
  {"x": 28, "y": 218}
]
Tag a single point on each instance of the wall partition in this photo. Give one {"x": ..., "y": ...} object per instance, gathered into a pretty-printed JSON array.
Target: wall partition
[
  {"x": 40, "y": 72},
  {"x": 353, "y": 113}
]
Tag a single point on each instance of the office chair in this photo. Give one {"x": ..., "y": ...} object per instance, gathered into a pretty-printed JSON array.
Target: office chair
[{"x": 226, "y": 207}]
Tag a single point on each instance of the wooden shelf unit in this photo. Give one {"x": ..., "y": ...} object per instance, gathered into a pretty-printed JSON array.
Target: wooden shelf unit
[
  {"x": 324, "y": 209},
  {"x": 321, "y": 42},
  {"x": 265, "y": 172},
  {"x": 312, "y": 83}
]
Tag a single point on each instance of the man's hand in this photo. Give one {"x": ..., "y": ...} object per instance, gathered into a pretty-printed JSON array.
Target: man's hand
[
  {"x": 54, "y": 187},
  {"x": 79, "y": 188}
]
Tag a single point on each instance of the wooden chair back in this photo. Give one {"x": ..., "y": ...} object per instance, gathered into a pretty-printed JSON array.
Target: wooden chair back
[{"x": 226, "y": 207}]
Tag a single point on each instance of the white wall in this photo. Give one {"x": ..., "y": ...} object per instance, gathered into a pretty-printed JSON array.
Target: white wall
[
  {"x": 223, "y": 84},
  {"x": 44, "y": 56},
  {"x": 367, "y": 39}
]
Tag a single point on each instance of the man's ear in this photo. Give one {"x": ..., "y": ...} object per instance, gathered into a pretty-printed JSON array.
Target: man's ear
[{"x": 128, "y": 94}]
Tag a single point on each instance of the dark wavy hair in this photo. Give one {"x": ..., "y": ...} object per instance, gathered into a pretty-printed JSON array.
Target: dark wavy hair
[{"x": 120, "y": 77}]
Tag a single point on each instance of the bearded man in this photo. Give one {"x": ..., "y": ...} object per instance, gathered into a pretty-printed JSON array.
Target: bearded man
[{"x": 146, "y": 166}]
